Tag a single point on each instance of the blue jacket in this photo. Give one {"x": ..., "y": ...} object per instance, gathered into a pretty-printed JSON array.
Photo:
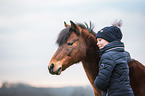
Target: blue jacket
[{"x": 113, "y": 76}]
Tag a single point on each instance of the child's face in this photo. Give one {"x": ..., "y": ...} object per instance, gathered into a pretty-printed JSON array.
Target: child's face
[{"x": 101, "y": 43}]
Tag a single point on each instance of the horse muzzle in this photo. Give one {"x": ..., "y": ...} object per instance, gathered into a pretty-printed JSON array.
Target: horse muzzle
[{"x": 54, "y": 69}]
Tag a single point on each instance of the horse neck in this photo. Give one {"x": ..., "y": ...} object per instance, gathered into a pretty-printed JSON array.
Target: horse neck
[{"x": 91, "y": 61}]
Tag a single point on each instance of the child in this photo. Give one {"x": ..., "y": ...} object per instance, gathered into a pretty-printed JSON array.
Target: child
[{"x": 113, "y": 77}]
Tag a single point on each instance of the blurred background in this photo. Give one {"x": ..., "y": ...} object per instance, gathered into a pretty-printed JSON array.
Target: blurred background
[{"x": 29, "y": 29}]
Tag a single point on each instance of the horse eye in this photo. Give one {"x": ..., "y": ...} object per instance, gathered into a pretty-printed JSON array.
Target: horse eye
[{"x": 69, "y": 43}]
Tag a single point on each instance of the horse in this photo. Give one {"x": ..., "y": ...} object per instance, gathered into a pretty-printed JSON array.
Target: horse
[{"x": 77, "y": 43}]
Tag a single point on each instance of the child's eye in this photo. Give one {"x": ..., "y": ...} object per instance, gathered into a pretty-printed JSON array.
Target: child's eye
[{"x": 99, "y": 39}]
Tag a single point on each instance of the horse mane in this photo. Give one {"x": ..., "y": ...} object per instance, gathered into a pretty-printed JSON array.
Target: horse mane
[{"x": 66, "y": 32}]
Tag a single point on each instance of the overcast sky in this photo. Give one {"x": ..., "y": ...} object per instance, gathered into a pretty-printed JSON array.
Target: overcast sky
[{"x": 29, "y": 29}]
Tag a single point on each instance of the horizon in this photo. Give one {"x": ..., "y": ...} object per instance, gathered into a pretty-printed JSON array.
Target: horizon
[{"x": 41, "y": 86}]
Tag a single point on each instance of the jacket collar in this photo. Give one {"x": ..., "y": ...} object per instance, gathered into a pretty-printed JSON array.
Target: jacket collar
[{"x": 112, "y": 46}]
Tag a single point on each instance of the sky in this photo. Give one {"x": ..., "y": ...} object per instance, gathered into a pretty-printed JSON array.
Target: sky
[{"x": 29, "y": 29}]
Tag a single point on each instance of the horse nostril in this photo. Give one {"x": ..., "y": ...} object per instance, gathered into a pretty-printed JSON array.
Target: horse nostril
[{"x": 51, "y": 66}]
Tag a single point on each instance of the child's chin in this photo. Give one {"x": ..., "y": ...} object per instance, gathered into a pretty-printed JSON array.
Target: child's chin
[{"x": 100, "y": 47}]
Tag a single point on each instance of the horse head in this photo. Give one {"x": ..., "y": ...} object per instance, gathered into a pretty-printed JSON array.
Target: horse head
[{"x": 72, "y": 48}]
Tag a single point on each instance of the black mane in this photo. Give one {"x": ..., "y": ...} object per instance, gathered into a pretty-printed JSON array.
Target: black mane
[{"x": 65, "y": 33}]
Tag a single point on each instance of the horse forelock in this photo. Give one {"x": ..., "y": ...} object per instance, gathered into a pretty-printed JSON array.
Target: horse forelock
[
  {"x": 66, "y": 32},
  {"x": 63, "y": 36}
]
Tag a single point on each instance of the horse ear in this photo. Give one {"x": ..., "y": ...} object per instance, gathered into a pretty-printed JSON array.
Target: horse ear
[
  {"x": 65, "y": 24},
  {"x": 75, "y": 28}
]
